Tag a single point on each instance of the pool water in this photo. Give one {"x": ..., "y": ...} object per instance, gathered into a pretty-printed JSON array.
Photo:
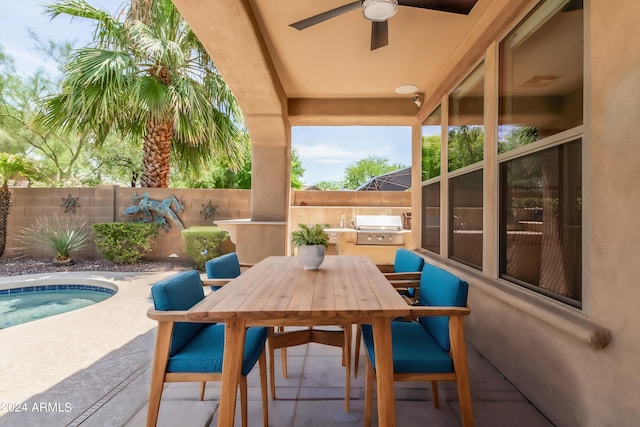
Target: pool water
[{"x": 21, "y": 306}]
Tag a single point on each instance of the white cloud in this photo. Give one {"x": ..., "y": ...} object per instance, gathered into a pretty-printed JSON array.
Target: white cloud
[
  {"x": 330, "y": 161},
  {"x": 328, "y": 153}
]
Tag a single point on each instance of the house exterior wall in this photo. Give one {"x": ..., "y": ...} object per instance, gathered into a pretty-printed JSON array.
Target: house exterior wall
[{"x": 556, "y": 355}]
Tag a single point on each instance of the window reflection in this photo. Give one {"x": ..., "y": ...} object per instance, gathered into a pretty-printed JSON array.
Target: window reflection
[
  {"x": 541, "y": 75},
  {"x": 465, "y": 218},
  {"x": 541, "y": 221},
  {"x": 431, "y": 217},
  {"x": 431, "y": 142},
  {"x": 466, "y": 118}
]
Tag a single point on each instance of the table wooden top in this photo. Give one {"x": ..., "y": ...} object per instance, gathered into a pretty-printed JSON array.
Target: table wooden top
[{"x": 278, "y": 291}]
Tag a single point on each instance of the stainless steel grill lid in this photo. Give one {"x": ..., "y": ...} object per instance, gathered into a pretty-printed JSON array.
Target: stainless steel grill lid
[
  {"x": 379, "y": 222},
  {"x": 382, "y": 230}
]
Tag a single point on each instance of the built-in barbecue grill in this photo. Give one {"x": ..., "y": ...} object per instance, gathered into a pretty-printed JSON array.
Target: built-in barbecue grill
[{"x": 383, "y": 230}]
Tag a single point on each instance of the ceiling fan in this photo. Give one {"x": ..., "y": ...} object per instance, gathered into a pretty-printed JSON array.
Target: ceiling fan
[{"x": 378, "y": 11}]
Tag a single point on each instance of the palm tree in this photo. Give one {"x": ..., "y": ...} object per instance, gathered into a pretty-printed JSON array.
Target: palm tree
[
  {"x": 11, "y": 167},
  {"x": 147, "y": 79}
]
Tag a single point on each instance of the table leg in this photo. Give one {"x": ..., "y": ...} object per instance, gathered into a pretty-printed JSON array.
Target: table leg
[
  {"x": 384, "y": 371},
  {"x": 231, "y": 370}
]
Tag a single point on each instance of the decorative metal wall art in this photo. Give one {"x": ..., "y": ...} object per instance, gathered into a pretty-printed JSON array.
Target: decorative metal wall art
[
  {"x": 70, "y": 203},
  {"x": 156, "y": 210},
  {"x": 209, "y": 211}
]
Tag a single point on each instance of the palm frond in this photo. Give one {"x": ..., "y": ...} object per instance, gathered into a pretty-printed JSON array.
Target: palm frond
[{"x": 109, "y": 31}]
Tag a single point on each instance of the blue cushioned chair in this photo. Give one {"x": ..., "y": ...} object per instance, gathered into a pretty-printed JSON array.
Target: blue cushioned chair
[
  {"x": 407, "y": 267},
  {"x": 223, "y": 267},
  {"x": 188, "y": 351},
  {"x": 431, "y": 348},
  {"x": 406, "y": 262},
  {"x": 228, "y": 266}
]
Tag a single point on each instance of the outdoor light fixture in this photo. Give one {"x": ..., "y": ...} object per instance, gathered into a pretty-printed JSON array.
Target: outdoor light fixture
[
  {"x": 379, "y": 10},
  {"x": 406, "y": 89}
]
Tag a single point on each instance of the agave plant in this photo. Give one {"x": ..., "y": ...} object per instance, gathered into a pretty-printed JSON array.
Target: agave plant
[{"x": 62, "y": 235}]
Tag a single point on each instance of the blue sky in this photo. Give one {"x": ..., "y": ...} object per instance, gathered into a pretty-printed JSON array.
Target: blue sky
[{"x": 325, "y": 152}]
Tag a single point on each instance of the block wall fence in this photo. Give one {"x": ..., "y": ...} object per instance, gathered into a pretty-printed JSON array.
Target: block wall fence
[{"x": 107, "y": 204}]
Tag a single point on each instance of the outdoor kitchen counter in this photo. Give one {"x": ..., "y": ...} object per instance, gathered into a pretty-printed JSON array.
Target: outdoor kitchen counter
[{"x": 345, "y": 241}]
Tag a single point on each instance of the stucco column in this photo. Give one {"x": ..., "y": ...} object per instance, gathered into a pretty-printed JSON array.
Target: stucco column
[
  {"x": 270, "y": 174},
  {"x": 231, "y": 34}
]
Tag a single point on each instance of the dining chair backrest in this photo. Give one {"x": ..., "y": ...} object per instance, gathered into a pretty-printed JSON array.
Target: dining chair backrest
[
  {"x": 224, "y": 267},
  {"x": 407, "y": 261},
  {"x": 440, "y": 288},
  {"x": 179, "y": 292}
]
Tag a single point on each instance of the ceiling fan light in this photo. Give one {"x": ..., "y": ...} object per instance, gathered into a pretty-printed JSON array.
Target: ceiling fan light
[{"x": 379, "y": 10}]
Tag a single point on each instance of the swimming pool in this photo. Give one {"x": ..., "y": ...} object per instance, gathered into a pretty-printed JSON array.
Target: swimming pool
[{"x": 24, "y": 304}]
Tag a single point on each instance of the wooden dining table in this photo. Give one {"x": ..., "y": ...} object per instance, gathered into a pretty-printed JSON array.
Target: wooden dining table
[{"x": 277, "y": 291}]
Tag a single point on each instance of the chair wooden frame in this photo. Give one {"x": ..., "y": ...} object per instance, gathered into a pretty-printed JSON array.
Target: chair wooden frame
[
  {"x": 458, "y": 354},
  {"x": 400, "y": 281},
  {"x": 159, "y": 376}
]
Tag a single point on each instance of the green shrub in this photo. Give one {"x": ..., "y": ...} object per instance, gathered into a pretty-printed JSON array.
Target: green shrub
[
  {"x": 125, "y": 242},
  {"x": 61, "y": 234},
  {"x": 203, "y": 244}
]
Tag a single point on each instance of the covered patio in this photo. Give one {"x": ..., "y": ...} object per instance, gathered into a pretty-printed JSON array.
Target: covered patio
[
  {"x": 550, "y": 256},
  {"x": 104, "y": 380},
  {"x": 560, "y": 331}
]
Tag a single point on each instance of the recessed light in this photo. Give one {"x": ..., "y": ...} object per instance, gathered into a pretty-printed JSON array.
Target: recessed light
[{"x": 406, "y": 89}]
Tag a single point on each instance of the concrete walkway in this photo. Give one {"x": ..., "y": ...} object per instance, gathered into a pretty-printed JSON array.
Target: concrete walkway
[{"x": 91, "y": 367}]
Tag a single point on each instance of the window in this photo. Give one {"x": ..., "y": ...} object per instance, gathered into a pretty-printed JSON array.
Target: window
[
  {"x": 465, "y": 218},
  {"x": 541, "y": 75},
  {"x": 431, "y": 217},
  {"x": 465, "y": 141},
  {"x": 540, "y": 151},
  {"x": 431, "y": 142},
  {"x": 541, "y": 221},
  {"x": 466, "y": 118}
]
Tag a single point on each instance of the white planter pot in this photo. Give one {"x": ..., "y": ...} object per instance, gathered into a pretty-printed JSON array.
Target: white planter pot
[{"x": 311, "y": 256}]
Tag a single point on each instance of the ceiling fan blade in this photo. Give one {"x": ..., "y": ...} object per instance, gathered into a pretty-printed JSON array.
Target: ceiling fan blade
[
  {"x": 453, "y": 6},
  {"x": 379, "y": 34},
  {"x": 324, "y": 16}
]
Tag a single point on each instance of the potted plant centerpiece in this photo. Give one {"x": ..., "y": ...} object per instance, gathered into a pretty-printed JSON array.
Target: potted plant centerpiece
[{"x": 312, "y": 242}]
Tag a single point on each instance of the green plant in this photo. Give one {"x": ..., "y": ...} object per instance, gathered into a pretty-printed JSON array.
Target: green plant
[
  {"x": 310, "y": 235},
  {"x": 62, "y": 234},
  {"x": 125, "y": 242},
  {"x": 203, "y": 244},
  {"x": 11, "y": 166}
]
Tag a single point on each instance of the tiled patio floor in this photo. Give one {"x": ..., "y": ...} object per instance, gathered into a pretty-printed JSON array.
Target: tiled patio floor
[
  {"x": 313, "y": 395},
  {"x": 91, "y": 367}
]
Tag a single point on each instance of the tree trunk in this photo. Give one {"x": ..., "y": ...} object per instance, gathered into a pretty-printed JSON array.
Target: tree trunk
[
  {"x": 5, "y": 204},
  {"x": 156, "y": 152}
]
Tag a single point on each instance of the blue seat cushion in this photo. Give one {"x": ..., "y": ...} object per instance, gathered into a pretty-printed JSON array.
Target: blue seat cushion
[
  {"x": 440, "y": 288},
  {"x": 414, "y": 350},
  {"x": 406, "y": 262},
  {"x": 179, "y": 292},
  {"x": 224, "y": 267},
  {"x": 204, "y": 352}
]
